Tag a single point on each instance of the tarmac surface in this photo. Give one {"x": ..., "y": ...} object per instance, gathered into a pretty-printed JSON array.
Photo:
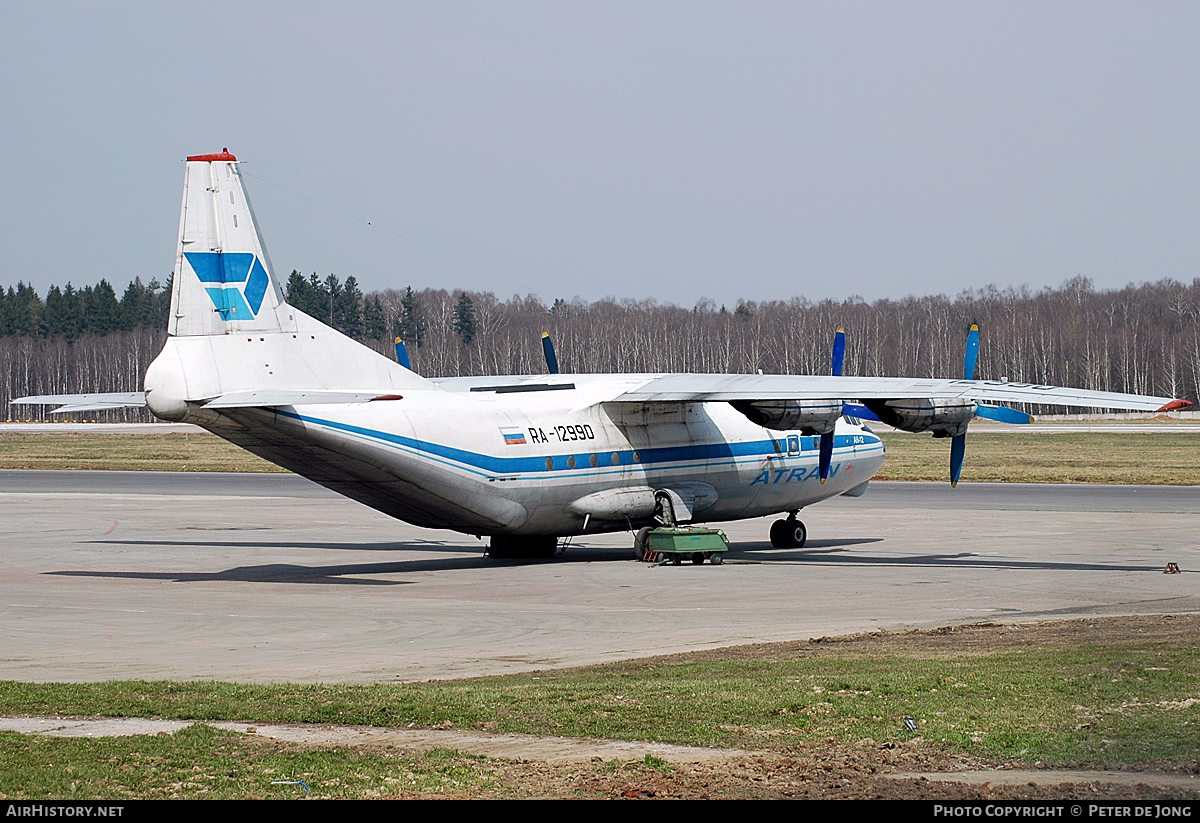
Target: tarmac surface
[{"x": 267, "y": 577}]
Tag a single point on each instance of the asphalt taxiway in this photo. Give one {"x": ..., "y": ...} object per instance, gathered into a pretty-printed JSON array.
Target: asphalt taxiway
[{"x": 267, "y": 577}]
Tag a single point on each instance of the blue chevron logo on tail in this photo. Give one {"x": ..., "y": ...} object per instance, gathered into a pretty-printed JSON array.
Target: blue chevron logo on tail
[{"x": 235, "y": 281}]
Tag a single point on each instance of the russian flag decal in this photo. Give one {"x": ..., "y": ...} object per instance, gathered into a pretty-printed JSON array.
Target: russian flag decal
[{"x": 513, "y": 437}]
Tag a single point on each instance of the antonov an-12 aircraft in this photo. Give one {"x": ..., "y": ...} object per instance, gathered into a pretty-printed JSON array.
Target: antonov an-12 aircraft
[{"x": 525, "y": 460}]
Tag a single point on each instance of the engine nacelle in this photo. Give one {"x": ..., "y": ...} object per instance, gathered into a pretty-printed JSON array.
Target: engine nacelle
[
  {"x": 812, "y": 417},
  {"x": 945, "y": 418}
]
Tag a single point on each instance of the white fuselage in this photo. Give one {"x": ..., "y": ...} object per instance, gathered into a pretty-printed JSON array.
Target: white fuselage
[{"x": 549, "y": 460}]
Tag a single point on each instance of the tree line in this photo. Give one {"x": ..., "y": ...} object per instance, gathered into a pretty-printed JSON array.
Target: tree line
[
  {"x": 1143, "y": 338},
  {"x": 92, "y": 310}
]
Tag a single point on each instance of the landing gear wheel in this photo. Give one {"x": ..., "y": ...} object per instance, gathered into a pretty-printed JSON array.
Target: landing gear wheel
[
  {"x": 507, "y": 547},
  {"x": 641, "y": 544},
  {"x": 788, "y": 534}
]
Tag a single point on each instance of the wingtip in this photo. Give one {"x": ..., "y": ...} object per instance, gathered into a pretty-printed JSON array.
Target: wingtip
[
  {"x": 545, "y": 334},
  {"x": 1174, "y": 405}
]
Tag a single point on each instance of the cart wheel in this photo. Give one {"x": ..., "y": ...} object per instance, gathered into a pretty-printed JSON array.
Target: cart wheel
[
  {"x": 716, "y": 559},
  {"x": 641, "y": 545},
  {"x": 698, "y": 558},
  {"x": 676, "y": 560}
]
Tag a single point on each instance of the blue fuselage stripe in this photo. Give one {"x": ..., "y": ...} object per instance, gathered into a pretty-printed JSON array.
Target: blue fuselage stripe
[{"x": 650, "y": 457}]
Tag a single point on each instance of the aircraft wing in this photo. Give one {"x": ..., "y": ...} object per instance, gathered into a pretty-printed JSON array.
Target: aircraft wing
[{"x": 751, "y": 387}]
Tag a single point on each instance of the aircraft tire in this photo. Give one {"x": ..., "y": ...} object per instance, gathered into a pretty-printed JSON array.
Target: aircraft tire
[
  {"x": 788, "y": 534},
  {"x": 498, "y": 547},
  {"x": 543, "y": 546},
  {"x": 503, "y": 547}
]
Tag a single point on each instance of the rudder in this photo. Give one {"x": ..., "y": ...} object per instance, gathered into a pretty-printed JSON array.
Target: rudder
[{"x": 223, "y": 281}]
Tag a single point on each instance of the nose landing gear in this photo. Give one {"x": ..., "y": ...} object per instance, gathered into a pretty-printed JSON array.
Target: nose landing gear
[{"x": 788, "y": 534}]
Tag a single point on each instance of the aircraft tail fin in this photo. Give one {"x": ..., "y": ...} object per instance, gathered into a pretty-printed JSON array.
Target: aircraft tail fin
[
  {"x": 223, "y": 282},
  {"x": 231, "y": 335}
]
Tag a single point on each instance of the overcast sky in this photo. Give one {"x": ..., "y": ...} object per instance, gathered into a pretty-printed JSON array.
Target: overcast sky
[{"x": 667, "y": 150}]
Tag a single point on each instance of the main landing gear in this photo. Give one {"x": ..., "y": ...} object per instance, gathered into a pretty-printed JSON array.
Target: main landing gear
[
  {"x": 507, "y": 546},
  {"x": 788, "y": 534}
]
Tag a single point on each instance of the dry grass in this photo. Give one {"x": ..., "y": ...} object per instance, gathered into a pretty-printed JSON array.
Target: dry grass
[
  {"x": 199, "y": 452},
  {"x": 1086, "y": 457},
  {"x": 1098, "y": 457}
]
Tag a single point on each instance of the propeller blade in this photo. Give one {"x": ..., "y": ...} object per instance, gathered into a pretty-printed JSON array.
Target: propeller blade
[
  {"x": 958, "y": 449},
  {"x": 972, "y": 353},
  {"x": 861, "y": 412},
  {"x": 826, "y": 456},
  {"x": 402, "y": 354},
  {"x": 839, "y": 351},
  {"x": 548, "y": 350},
  {"x": 1003, "y": 414}
]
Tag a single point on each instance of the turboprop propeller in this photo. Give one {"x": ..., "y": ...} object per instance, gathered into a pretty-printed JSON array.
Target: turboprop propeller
[
  {"x": 548, "y": 350},
  {"x": 958, "y": 444},
  {"x": 1003, "y": 414},
  {"x": 825, "y": 456},
  {"x": 402, "y": 354}
]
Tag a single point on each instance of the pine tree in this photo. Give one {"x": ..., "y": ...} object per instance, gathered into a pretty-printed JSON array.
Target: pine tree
[
  {"x": 412, "y": 325},
  {"x": 103, "y": 310},
  {"x": 347, "y": 310},
  {"x": 136, "y": 308},
  {"x": 160, "y": 301},
  {"x": 374, "y": 322},
  {"x": 333, "y": 291},
  {"x": 464, "y": 318},
  {"x": 296, "y": 292}
]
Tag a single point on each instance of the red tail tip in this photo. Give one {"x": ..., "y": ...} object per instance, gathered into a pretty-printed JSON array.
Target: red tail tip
[{"x": 210, "y": 158}]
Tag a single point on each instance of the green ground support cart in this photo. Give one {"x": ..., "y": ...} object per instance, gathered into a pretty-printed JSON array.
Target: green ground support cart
[{"x": 695, "y": 543}]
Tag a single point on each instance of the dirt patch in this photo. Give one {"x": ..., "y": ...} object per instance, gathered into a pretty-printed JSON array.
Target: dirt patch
[{"x": 531, "y": 766}]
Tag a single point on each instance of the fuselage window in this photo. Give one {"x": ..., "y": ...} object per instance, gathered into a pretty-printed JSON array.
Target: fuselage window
[
  {"x": 549, "y": 463},
  {"x": 594, "y": 460},
  {"x": 571, "y": 461},
  {"x": 616, "y": 459}
]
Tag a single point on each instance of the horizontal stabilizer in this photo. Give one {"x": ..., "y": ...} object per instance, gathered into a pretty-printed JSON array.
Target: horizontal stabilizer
[
  {"x": 85, "y": 402},
  {"x": 292, "y": 397}
]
